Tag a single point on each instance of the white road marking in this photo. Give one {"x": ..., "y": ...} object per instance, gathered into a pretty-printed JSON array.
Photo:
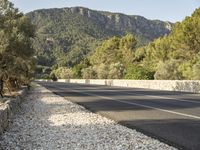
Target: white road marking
[
  {"x": 170, "y": 98},
  {"x": 162, "y": 97},
  {"x": 141, "y": 105}
]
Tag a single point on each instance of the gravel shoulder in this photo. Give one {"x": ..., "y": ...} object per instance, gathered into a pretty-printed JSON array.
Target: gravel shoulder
[{"x": 49, "y": 122}]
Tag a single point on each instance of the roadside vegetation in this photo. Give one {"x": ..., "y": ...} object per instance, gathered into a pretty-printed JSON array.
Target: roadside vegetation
[
  {"x": 66, "y": 36},
  {"x": 172, "y": 57},
  {"x": 16, "y": 52}
]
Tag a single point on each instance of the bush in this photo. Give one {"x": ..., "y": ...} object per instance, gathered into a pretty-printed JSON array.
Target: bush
[
  {"x": 63, "y": 73},
  {"x": 102, "y": 71},
  {"x": 116, "y": 71},
  {"x": 139, "y": 73},
  {"x": 168, "y": 71},
  {"x": 45, "y": 76},
  {"x": 53, "y": 77},
  {"x": 89, "y": 73}
]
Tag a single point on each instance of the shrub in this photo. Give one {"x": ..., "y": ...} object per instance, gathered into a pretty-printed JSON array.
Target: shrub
[
  {"x": 102, "y": 71},
  {"x": 63, "y": 73},
  {"x": 89, "y": 73},
  {"x": 116, "y": 71},
  {"x": 168, "y": 71},
  {"x": 139, "y": 73},
  {"x": 45, "y": 76}
]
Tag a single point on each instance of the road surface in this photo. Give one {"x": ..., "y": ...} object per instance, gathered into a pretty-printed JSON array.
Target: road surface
[{"x": 172, "y": 117}]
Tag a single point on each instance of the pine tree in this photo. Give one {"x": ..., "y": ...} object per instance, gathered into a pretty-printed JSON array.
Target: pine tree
[{"x": 16, "y": 52}]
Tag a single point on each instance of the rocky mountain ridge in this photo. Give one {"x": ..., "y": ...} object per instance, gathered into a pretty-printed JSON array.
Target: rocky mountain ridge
[{"x": 72, "y": 33}]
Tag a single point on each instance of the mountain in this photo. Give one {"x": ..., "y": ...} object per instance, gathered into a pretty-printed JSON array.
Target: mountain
[{"x": 64, "y": 36}]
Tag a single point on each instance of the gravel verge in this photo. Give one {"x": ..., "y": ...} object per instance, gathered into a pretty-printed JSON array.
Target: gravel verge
[{"x": 49, "y": 122}]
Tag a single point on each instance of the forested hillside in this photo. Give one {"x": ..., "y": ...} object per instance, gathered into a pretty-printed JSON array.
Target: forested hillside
[
  {"x": 82, "y": 43},
  {"x": 65, "y": 36},
  {"x": 175, "y": 56}
]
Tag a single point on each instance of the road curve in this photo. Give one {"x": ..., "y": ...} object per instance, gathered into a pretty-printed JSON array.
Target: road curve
[{"x": 172, "y": 117}]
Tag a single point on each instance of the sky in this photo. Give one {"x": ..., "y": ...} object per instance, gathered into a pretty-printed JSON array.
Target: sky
[{"x": 166, "y": 10}]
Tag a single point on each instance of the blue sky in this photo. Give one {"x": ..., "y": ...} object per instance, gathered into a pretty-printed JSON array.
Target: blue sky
[{"x": 167, "y": 10}]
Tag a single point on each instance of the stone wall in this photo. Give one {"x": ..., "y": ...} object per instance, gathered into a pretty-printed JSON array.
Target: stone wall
[
  {"x": 9, "y": 108},
  {"x": 169, "y": 85}
]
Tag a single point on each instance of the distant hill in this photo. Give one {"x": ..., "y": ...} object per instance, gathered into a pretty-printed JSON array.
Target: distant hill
[{"x": 66, "y": 35}]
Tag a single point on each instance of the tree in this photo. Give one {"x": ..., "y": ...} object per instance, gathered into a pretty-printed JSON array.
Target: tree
[
  {"x": 16, "y": 33},
  {"x": 127, "y": 46},
  {"x": 140, "y": 54},
  {"x": 174, "y": 56},
  {"x": 115, "y": 50},
  {"x": 168, "y": 70},
  {"x": 191, "y": 69},
  {"x": 77, "y": 69},
  {"x": 107, "y": 53},
  {"x": 116, "y": 71},
  {"x": 196, "y": 72}
]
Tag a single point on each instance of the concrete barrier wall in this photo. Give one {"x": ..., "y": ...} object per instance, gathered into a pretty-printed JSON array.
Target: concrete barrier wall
[{"x": 170, "y": 85}]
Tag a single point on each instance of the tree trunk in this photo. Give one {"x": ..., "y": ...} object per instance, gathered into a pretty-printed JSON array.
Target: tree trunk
[{"x": 1, "y": 88}]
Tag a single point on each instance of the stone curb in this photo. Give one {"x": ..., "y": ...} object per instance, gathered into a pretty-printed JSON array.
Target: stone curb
[{"x": 9, "y": 108}]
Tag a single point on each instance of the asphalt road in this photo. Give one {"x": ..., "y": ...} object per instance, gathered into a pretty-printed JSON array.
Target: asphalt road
[{"x": 172, "y": 117}]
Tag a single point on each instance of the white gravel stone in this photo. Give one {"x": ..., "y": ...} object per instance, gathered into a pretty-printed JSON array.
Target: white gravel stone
[{"x": 50, "y": 122}]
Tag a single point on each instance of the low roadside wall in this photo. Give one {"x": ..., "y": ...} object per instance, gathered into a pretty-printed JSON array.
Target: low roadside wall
[
  {"x": 169, "y": 85},
  {"x": 9, "y": 108}
]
